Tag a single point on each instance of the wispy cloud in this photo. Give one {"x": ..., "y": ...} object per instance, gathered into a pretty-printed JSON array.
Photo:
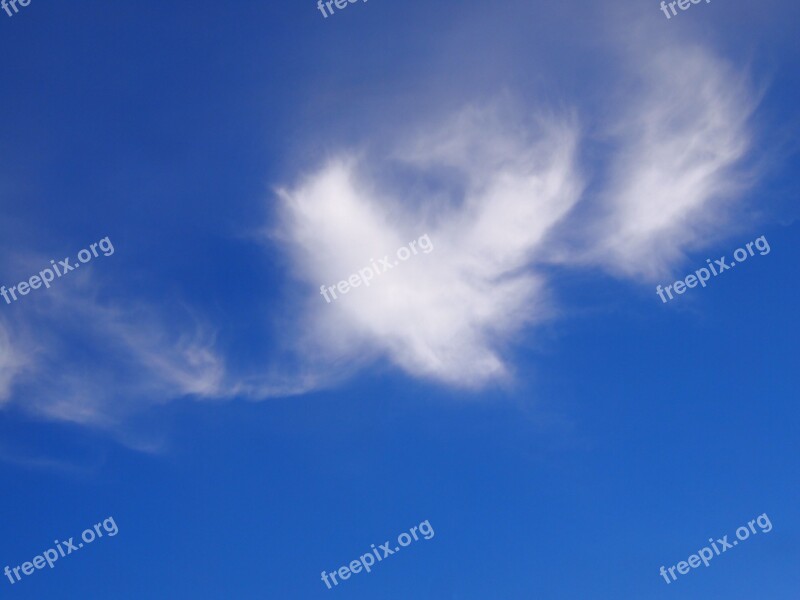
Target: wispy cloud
[
  {"x": 448, "y": 316},
  {"x": 500, "y": 191},
  {"x": 12, "y": 363},
  {"x": 76, "y": 359},
  {"x": 673, "y": 180},
  {"x": 510, "y": 189}
]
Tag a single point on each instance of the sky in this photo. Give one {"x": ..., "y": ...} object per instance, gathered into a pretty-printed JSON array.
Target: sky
[{"x": 316, "y": 281}]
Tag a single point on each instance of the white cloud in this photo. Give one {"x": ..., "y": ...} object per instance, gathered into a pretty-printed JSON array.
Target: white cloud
[
  {"x": 444, "y": 315},
  {"x": 679, "y": 138},
  {"x": 510, "y": 187},
  {"x": 94, "y": 364},
  {"x": 496, "y": 191}
]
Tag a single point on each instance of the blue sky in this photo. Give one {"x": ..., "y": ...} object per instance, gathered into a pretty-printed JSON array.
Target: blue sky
[{"x": 521, "y": 386}]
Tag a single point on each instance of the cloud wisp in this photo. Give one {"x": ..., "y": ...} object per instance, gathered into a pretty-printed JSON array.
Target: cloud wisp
[
  {"x": 445, "y": 317},
  {"x": 106, "y": 363},
  {"x": 673, "y": 175},
  {"x": 502, "y": 195},
  {"x": 676, "y": 144}
]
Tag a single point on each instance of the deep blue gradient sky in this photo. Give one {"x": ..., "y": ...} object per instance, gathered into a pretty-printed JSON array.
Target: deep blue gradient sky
[{"x": 626, "y": 433}]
